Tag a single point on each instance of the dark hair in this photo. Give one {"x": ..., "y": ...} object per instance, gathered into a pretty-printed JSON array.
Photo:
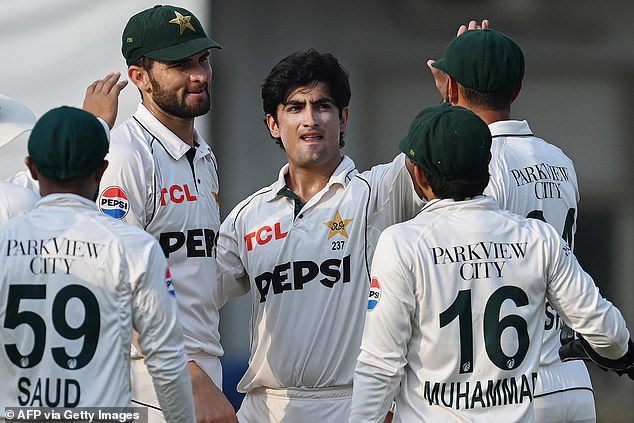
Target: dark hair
[
  {"x": 302, "y": 69},
  {"x": 493, "y": 100},
  {"x": 458, "y": 189}
]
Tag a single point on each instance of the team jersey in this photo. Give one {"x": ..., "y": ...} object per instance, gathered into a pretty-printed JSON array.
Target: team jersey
[
  {"x": 15, "y": 200},
  {"x": 73, "y": 285},
  {"x": 455, "y": 314},
  {"x": 308, "y": 275},
  {"x": 150, "y": 183},
  {"x": 536, "y": 179}
]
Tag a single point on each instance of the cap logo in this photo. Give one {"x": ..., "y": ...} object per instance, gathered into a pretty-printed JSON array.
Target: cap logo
[
  {"x": 183, "y": 22},
  {"x": 129, "y": 39}
]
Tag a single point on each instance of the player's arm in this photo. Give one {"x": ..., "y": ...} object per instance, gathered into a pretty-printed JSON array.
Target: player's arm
[
  {"x": 210, "y": 403},
  {"x": 155, "y": 318},
  {"x": 126, "y": 187},
  {"x": 574, "y": 295},
  {"x": 386, "y": 334},
  {"x": 102, "y": 97},
  {"x": 232, "y": 278},
  {"x": 393, "y": 190}
]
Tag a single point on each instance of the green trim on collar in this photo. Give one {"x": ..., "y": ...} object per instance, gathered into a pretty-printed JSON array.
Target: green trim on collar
[{"x": 286, "y": 192}]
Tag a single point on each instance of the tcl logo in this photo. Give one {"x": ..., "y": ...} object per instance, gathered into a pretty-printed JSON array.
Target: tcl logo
[
  {"x": 176, "y": 194},
  {"x": 264, "y": 235}
]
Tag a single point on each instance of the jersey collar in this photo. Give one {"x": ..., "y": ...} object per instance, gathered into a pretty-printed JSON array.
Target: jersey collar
[
  {"x": 64, "y": 200},
  {"x": 438, "y": 204},
  {"x": 342, "y": 176},
  {"x": 175, "y": 147},
  {"x": 503, "y": 128}
]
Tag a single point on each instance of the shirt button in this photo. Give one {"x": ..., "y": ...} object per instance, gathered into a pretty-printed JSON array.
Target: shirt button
[{"x": 301, "y": 216}]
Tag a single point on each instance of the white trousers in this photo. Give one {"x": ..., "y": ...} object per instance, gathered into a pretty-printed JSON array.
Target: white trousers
[
  {"x": 325, "y": 405},
  {"x": 563, "y": 393}
]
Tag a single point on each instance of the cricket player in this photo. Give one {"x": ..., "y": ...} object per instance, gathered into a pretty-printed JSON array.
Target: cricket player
[
  {"x": 455, "y": 313},
  {"x": 529, "y": 176},
  {"x": 75, "y": 283},
  {"x": 163, "y": 178},
  {"x": 301, "y": 247}
]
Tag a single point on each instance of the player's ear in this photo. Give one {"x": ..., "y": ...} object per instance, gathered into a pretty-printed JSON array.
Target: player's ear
[
  {"x": 31, "y": 166},
  {"x": 516, "y": 92},
  {"x": 421, "y": 184},
  {"x": 274, "y": 128},
  {"x": 343, "y": 122},
  {"x": 452, "y": 90},
  {"x": 100, "y": 170},
  {"x": 139, "y": 77}
]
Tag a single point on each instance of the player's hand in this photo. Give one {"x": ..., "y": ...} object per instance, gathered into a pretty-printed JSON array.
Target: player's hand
[
  {"x": 472, "y": 25},
  {"x": 440, "y": 78},
  {"x": 211, "y": 404},
  {"x": 102, "y": 97},
  {"x": 579, "y": 349}
]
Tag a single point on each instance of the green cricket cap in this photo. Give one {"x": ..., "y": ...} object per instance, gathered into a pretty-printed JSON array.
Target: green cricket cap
[
  {"x": 67, "y": 143},
  {"x": 164, "y": 32},
  {"x": 449, "y": 142},
  {"x": 484, "y": 60}
]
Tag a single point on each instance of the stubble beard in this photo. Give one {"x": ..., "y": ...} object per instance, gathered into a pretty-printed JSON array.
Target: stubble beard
[{"x": 170, "y": 103}]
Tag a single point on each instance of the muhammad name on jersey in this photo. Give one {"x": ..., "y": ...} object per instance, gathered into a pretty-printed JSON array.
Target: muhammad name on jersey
[
  {"x": 481, "y": 393},
  {"x": 481, "y": 260},
  {"x": 547, "y": 179}
]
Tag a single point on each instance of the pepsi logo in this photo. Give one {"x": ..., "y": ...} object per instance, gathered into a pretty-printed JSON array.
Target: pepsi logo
[
  {"x": 114, "y": 202},
  {"x": 169, "y": 283},
  {"x": 375, "y": 294}
]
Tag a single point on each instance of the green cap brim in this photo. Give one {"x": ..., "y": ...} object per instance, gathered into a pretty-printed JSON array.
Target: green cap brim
[
  {"x": 183, "y": 50},
  {"x": 440, "y": 64}
]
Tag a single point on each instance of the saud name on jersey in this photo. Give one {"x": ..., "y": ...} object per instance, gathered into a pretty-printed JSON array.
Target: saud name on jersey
[
  {"x": 547, "y": 179},
  {"x": 471, "y": 256},
  {"x": 294, "y": 275},
  {"x": 481, "y": 393}
]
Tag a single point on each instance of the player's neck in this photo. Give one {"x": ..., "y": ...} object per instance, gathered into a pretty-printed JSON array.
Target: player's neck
[
  {"x": 490, "y": 116},
  {"x": 182, "y": 127},
  {"x": 305, "y": 183}
]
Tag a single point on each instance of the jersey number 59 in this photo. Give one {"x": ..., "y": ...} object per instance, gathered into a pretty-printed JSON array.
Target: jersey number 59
[{"x": 88, "y": 328}]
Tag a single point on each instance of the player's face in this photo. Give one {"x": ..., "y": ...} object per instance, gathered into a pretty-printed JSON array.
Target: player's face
[
  {"x": 181, "y": 88},
  {"x": 309, "y": 126}
]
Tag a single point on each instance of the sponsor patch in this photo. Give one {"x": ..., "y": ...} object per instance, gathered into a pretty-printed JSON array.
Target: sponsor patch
[
  {"x": 113, "y": 201},
  {"x": 375, "y": 294},
  {"x": 169, "y": 283}
]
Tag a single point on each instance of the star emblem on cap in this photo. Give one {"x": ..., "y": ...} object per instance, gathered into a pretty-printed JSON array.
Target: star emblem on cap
[
  {"x": 183, "y": 22},
  {"x": 337, "y": 225}
]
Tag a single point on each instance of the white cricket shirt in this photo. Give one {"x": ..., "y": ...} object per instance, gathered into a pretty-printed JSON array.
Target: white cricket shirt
[
  {"x": 151, "y": 184},
  {"x": 73, "y": 285},
  {"x": 308, "y": 276},
  {"x": 457, "y": 316}
]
